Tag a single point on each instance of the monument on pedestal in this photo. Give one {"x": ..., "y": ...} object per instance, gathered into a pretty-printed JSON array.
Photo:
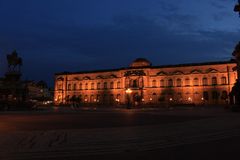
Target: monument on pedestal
[{"x": 13, "y": 92}]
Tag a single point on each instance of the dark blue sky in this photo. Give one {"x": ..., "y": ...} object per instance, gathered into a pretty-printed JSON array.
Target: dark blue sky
[{"x": 74, "y": 35}]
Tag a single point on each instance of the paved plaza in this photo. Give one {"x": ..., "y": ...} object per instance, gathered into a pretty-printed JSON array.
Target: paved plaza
[{"x": 120, "y": 134}]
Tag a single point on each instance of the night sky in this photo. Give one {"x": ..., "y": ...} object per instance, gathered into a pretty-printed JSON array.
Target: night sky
[{"x": 74, "y": 35}]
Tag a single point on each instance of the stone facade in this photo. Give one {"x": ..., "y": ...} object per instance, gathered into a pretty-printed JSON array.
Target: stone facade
[{"x": 199, "y": 83}]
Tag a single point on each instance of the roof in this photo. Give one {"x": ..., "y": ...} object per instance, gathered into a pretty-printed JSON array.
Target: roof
[{"x": 160, "y": 66}]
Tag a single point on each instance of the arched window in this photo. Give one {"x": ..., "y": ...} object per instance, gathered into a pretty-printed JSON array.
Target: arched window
[
  {"x": 74, "y": 86},
  {"x": 85, "y": 98},
  {"x": 224, "y": 80},
  {"x": 105, "y": 85},
  {"x": 205, "y": 81},
  {"x": 135, "y": 84},
  {"x": 187, "y": 82},
  {"x": 92, "y": 98},
  {"x": 118, "y": 85},
  {"x": 170, "y": 83},
  {"x": 69, "y": 87},
  {"x": 161, "y": 83},
  {"x": 112, "y": 85},
  {"x": 179, "y": 82},
  {"x": 98, "y": 85},
  {"x": 98, "y": 98},
  {"x": 214, "y": 81},
  {"x": 154, "y": 83},
  {"x": 86, "y": 86},
  {"x": 92, "y": 85},
  {"x": 59, "y": 86},
  {"x": 205, "y": 95},
  {"x": 195, "y": 82},
  {"x": 80, "y": 86}
]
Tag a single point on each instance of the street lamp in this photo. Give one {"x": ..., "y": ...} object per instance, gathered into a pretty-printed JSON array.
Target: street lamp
[{"x": 128, "y": 92}]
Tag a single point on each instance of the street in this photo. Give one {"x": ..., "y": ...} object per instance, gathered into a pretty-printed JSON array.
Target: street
[{"x": 120, "y": 134}]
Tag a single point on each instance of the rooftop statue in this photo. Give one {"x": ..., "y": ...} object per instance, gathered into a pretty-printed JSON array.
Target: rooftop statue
[{"x": 14, "y": 61}]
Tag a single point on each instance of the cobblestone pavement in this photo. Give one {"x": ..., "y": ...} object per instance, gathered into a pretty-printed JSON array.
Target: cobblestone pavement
[{"x": 46, "y": 144}]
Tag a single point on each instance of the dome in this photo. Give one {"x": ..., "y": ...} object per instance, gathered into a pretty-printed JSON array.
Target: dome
[{"x": 141, "y": 62}]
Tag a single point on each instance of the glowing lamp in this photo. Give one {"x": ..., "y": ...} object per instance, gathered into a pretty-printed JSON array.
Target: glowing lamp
[{"x": 128, "y": 91}]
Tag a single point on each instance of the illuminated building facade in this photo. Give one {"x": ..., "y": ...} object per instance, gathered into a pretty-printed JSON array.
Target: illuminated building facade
[{"x": 142, "y": 83}]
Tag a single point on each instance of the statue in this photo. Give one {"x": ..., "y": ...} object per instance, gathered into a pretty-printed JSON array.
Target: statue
[{"x": 14, "y": 61}]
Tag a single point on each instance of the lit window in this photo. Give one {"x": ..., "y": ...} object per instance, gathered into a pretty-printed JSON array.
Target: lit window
[
  {"x": 224, "y": 80},
  {"x": 105, "y": 85},
  {"x": 170, "y": 83},
  {"x": 187, "y": 82},
  {"x": 162, "y": 83},
  {"x": 205, "y": 81},
  {"x": 69, "y": 86},
  {"x": 92, "y": 85},
  {"x": 80, "y": 86},
  {"x": 59, "y": 86},
  {"x": 74, "y": 87},
  {"x": 154, "y": 83},
  {"x": 118, "y": 85},
  {"x": 91, "y": 98},
  {"x": 111, "y": 85},
  {"x": 214, "y": 81},
  {"x": 179, "y": 82},
  {"x": 195, "y": 82},
  {"x": 98, "y": 85}
]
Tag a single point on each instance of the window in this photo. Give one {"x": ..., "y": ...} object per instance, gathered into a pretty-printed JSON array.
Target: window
[
  {"x": 92, "y": 85},
  {"x": 112, "y": 85},
  {"x": 179, "y": 82},
  {"x": 98, "y": 85},
  {"x": 59, "y": 86},
  {"x": 135, "y": 83},
  {"x": 74, "y": 86},
  {"x": 195, "y": 82},
  {"x": 86, "y": 86},
  {"x": 187, "y": 82},
  {"x": 224, "y": 80},
  {"x": 98, "y": 98},
  {"x": 162, "y": 83},
  {"x": 80, "y": 86},
  {"x": 92, "y": 98},
  {"x": 224, "y": 95},
  {"x": 170, "y": 83},
  {"x": 69, "y": 86},
  {"x": 214, "y": 81},
  {"x": 118, "y": 85},
  {"x": 205, "y": 81},
  {"x": 154, "y": 83},
  {"x": 205, "y": 95},
  {"x": 118, "y": 97},
  {"x": 105, "y": 85},
  {"x": 85, "y": 98}
]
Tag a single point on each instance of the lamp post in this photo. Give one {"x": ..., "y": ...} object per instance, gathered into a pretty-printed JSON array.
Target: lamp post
[{"x": 128, "y": 92}]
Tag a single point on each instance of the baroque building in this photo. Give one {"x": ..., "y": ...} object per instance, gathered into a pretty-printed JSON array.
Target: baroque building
[{"x": 141, "y": 83}]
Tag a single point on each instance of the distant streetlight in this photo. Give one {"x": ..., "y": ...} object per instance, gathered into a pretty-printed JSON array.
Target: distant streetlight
[{"x": 128, "y": 92}]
